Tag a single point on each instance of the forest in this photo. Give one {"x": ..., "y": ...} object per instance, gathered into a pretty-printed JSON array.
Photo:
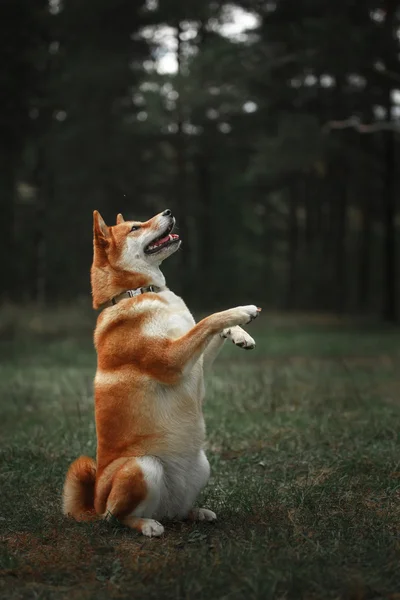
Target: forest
[{"x": 269, "y": 128}]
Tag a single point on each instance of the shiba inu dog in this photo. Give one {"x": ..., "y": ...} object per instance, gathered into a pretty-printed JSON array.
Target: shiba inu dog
[{"x": 149, "y": 385}]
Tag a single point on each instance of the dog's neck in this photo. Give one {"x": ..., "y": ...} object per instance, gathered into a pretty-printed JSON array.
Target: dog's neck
[{"x": 107, "y": 282}]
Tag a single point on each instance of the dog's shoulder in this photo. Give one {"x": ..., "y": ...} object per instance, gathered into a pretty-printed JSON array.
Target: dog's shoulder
[{"x": 163, "y": 315}]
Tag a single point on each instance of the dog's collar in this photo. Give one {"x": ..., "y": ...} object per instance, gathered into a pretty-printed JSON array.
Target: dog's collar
[{"x": 132, "y": 294}]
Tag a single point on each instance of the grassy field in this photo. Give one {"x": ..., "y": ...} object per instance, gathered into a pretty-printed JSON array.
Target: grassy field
[{"x": 303, "y": 440}]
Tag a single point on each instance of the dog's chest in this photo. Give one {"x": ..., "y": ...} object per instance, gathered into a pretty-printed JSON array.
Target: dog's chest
[{"x": 180, "y": 319}]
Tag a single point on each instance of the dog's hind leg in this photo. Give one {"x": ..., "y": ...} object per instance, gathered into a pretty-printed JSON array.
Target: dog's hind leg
[
  {"x": 135, "y": 495},
  {"x": 199, "y": 478},
  {"x": 148, "y": 527}
]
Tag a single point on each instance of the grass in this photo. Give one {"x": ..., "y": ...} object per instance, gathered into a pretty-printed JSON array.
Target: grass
[{"x": 303, "y": 440}]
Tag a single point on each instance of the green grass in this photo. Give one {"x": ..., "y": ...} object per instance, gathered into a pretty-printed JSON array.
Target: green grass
[{"x": 303, "y": 440}]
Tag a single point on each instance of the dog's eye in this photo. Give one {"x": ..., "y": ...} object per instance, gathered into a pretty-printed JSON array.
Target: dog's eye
[{"x": 135, "y": 227}]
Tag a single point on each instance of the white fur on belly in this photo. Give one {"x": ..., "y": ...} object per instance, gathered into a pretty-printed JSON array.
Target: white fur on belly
[{"x": 173, "y": 485}]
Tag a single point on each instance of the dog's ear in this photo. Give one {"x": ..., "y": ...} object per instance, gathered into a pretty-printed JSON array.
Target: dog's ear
[
  {"x": 120, "y": 219},
  {"x": 100, "y": 230}
]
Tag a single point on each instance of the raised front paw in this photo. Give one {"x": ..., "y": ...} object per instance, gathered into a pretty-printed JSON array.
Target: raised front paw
[
  {"x": 242, "y": 315},
  {"x": 239, "y": 337}
]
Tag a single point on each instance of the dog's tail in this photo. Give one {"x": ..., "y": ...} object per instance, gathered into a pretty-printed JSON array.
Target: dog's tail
[{"x": 78, "y": 494}]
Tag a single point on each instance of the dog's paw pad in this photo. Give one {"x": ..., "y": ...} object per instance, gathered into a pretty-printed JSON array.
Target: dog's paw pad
[{"x": 241, "y": 338}]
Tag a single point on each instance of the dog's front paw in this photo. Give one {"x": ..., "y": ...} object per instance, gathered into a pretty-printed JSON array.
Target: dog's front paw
[
  {"x": 242, "y": 315},
  {"x": 239, "y": 337}
]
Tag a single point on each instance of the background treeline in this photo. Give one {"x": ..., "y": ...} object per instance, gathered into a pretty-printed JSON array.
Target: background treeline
[{"x": 276, "y": 147}]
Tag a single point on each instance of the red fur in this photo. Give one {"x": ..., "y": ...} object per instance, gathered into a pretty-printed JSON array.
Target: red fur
[
  {"x": 142, "y": 358},
  {"x": 78, "y": 498}
]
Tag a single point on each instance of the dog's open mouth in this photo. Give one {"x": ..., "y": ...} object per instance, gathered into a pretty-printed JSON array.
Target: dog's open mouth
[{"x": 162, "y": 241}]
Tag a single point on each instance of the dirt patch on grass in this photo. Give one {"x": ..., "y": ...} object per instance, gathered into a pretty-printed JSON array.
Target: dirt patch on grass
[
  {"x": 65, "y": 561},
  {"x": 38, "y": 557}
]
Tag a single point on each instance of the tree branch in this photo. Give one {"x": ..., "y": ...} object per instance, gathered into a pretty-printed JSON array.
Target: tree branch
[{"x": 355, "y": 123}]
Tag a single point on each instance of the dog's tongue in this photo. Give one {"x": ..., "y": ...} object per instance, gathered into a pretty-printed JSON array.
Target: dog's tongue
[
  {"x": 162, "y": 241},
  {"x": 171, "y": 236}
]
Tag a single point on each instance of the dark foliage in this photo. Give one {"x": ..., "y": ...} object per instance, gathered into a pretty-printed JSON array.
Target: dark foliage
[{"x": 256, "y": 141}]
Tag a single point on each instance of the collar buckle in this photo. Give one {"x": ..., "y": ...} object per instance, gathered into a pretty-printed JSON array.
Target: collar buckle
[{"x": 133, "y": 293}]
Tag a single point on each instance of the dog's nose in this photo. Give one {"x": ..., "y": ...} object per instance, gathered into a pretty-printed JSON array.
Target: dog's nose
[{"x": 167, "y": 213}]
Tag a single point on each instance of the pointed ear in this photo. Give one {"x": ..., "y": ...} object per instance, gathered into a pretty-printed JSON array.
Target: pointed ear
[
  {"x": 100, "y": 229},
  {"x": 120, "y": 219}
]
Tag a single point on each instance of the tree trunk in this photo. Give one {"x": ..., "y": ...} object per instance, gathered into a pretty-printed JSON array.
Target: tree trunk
[
  {"x": 364, "y": 264},
  {"x": 39, "y": 243},
  {"x": 181, "y": 172},
  {"x": 293, "y": 233},
  {"x": 389, "y": 200},
  {"x": 309, "y": 217},
  {"x": 340, "y": 242},
  {"x": 7, "y": 187},
  {"x": 390, "y": 262},
  {"x": 203, "y": 160},
  {"x": 328, "y": 245},
  {"x": 205, "y": 202}
]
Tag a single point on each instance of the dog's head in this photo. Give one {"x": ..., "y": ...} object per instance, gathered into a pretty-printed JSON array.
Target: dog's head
[
  {"x": 130, "y": 244},
  {"x": 130, "y": 252}
]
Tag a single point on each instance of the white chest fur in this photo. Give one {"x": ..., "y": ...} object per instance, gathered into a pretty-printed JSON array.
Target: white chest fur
[
  {"x": 172, "y": 320},
  {"x": 179, "y": 406}
]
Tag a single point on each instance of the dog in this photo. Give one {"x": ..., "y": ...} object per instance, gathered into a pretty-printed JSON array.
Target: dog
[{"x": 149, "y": 384}]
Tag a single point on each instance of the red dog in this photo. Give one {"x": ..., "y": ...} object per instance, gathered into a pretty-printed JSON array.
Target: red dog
[{"x": 149, "y": 384}]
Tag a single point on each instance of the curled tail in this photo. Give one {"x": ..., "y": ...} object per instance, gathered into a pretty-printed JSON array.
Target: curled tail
[{"x": 78, "y": 494}]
